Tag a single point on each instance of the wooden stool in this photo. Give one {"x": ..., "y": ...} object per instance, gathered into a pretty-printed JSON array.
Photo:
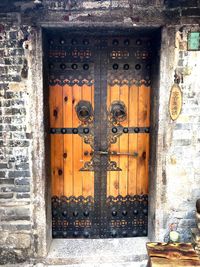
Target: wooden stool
[{"x": 172, "y": 255}]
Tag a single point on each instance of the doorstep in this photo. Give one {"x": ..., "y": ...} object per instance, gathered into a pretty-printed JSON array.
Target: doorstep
[{"x": 97, "y": 252}]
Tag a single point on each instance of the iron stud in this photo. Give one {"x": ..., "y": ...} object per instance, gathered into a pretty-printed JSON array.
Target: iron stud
[
  {"x": 86, "y": 213},
  {"x": 54, "y": 213},
  {"x": 62, "y": 66},
  {"x": 65, "y": 234},
  {"x": 63, "y": 130},
  {"x": 75, "y": 213},
  {"x": 126, "y": 42},
  {"x": 124, "y": 233},
  {"x": 126, "y": 66},
  {"x": 75, "y": 234},
  {"x": 64, "y": 213},
  {"x": 54, "y": 233},
  {"x": 115, "y": 42},
  {"x": 114, "y": 233},
  {"x": 114, "y": 213},
  {"x": 124, "y": 212},
  {"x": 53, "y": 131},
  {"x": 144, "y": 232},
  {"x": 115, "y": 66},
  {"x": 135, "y": 212},
  {"x": 86, "y": 234},
  {"x": 74, "y": 130},
  {"x": 135, "y": 232},
  {"x": 86, "y": 130},
  {"x": 145, "y": 211},
  {"x": 125, "y": 130},
  {"x": 114, "y": 130},
  {"x": 62, "y": 41}
]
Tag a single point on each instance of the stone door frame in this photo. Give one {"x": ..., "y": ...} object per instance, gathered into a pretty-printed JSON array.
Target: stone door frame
[{"x": 41, "y": 197}]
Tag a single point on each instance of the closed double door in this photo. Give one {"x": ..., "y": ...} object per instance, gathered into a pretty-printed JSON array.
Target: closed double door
[{"x": 99, "y": 99}]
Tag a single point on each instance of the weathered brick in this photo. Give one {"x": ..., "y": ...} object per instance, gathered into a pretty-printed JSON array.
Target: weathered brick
[
  {"x": 18, "y": 143},
  {"x": 22, "y": 166},
  {"x": 22, "y": 188},
  {"x": 3, "y": 166},
  {"x": 6, "y": 181},
  {"x": 15, "y": 218},
  {"x": 22, "y": 181},
  {"x": 6, "y": 195},
  {"x": 22, "y": 195},
  {"x": 15, "y": 111},
  {"x": 2, "y": 174},
  {"x": 15, "y": 227},
  {"x": 14, "y": 174},
  {"x": 7, "y": 189}
]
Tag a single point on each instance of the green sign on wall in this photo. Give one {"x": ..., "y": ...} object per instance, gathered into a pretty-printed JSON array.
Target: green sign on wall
[{"x": 194, "y": 41}]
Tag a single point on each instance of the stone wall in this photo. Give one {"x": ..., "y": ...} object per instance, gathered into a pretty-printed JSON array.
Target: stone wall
[
  {"x": 175, "y": 170},
  {"x": 15, "y": 222},
  {"x": 180, "y": 139}
]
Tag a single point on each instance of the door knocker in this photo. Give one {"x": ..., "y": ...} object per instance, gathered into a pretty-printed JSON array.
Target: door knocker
[
  {"x": 84, "y": 111},
  {"x": 118, "y": 112}
]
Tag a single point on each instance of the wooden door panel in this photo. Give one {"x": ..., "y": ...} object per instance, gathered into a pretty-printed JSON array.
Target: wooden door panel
[
  {"x": 88, "y": 178},
  {"x": 68, "y": 141},
  {"x": 113, "y": 93},
  {"x": 133, "y": 139},
  {"x": 56, "y": 120},
  {"x": 123, "y": 144},
  {"x": 99, "y": 163}
]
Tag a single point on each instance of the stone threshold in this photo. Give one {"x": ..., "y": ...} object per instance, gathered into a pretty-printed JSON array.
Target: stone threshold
[{"x": 97, "y": 252}]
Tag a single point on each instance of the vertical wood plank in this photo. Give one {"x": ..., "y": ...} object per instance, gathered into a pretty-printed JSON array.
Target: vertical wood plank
[
  {"x": 143, "y": 139},
  {"x": 68, "y": 149},
  {"x": 88, "y": 177},
  {"x": 113, "y": 92},
  {"x": 56, "y": 121},
  {"x": 77, "y": 144},
  {"x": 108, "y": 105},
  {"x": 133, "y": 146},
  {"x": 124, "y": 145}
]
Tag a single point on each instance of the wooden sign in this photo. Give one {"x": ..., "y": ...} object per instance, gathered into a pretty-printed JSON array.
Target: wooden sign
[{"x": 175, "y": 102}]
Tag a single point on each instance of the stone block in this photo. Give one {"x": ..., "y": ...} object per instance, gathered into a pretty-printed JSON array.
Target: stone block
[
  {"x": 22, "y": 181},
  {"x": 6, "y": 195},
  {"x": 22, "y": 195},
  {"x": 19, "y": 174},
  {"x": 6, "y": 181},
  {"x": 19, "y": 241},
  {"x": 22, "y": 188}
]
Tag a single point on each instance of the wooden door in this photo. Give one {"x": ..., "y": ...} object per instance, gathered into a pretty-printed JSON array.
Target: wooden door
[{"x": 99, "y": 98}]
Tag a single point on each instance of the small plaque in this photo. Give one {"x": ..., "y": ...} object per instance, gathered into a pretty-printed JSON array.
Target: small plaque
[
  {"x": 175, "y": 102},
  {"x": 194, "y": 41}
]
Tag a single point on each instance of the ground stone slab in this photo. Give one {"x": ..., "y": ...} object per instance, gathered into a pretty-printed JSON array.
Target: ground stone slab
[{"x": 97, "y": 252}]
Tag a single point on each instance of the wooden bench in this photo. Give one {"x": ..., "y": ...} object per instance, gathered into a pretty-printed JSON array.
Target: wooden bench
[{"x": 172, "y": 255}]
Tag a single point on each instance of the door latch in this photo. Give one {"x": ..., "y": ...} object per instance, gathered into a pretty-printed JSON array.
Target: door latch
[{"x": 114, "y": 153}]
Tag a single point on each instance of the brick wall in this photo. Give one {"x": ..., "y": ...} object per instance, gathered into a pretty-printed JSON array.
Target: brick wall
[
  {"x": 180, "y": 173},
  {"x": 181, "y": 169},
  {"x": 15, "y": 221}
]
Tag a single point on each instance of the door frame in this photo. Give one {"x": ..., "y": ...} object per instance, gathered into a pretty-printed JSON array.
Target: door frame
[{"x": 41, "y": 200}]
